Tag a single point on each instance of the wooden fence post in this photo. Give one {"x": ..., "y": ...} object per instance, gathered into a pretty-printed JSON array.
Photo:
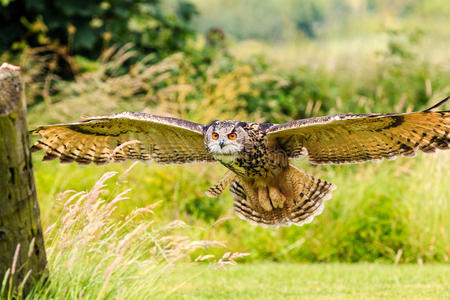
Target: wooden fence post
[{"x": 22, "y": 253}]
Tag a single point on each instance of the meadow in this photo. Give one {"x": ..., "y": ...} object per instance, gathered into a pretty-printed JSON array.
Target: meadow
[
  {"x": 141, "y": 230},
  {"x": 111, "y": 242}
]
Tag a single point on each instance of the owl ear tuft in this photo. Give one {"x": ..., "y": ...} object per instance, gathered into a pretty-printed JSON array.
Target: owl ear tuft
[{"x": 213, "y": 123}]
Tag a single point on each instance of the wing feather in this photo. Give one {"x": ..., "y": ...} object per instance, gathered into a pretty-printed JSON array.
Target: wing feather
[
  {"x": 122, "y": 136},
  {"x": 343, "y": 138}
]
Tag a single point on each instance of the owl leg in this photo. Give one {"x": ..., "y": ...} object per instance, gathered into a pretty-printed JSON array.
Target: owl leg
[
  {"x": 270, "y": 197},
  {"x": 276, "y": 197},
  {"x": 264, "y": 198}
]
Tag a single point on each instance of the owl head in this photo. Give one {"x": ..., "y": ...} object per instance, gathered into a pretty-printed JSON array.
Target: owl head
[{"x": 225, "y": 137}]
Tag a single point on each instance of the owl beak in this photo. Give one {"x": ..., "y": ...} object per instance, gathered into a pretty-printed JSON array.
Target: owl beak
[{"x": 221, "y": 144}]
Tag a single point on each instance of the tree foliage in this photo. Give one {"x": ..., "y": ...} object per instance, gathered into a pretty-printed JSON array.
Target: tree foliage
[{"x": 87, "y": 27}]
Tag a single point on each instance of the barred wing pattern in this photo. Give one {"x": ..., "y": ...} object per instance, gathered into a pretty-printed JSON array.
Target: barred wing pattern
[
  {"x": 127, "y": 135},
  {"x": 341, "y": 139}
]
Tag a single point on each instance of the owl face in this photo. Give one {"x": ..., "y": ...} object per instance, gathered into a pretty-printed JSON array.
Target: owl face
[{"x": 226, "y": 138}]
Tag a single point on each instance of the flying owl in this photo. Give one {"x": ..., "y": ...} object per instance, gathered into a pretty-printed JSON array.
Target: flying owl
[{"x": 267, "y": 189}]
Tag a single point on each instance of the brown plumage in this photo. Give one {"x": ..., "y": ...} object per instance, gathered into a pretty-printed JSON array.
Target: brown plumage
[
  {"x": 127, "y": 135},
  {"x": 266, "y": 188}
]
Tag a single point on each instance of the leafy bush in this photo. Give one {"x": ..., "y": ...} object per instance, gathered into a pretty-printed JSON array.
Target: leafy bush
[
  {"x": 254, "y": 86},
  {"x": 88, "y": 27}
]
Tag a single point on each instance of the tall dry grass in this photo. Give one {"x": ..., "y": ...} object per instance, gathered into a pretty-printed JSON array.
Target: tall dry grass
[
  {"x": 169, "y": 87},
  {"x": 92, "y": 256}
]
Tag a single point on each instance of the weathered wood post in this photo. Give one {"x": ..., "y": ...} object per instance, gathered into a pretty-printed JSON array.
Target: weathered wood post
[{"x": 22, "y": 253}]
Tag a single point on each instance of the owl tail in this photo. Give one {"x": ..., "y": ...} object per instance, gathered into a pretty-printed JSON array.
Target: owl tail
[{"x": 302, "y": 198}]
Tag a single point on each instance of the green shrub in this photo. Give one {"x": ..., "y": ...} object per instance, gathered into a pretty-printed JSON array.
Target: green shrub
[{"x": 88, "y": 27}]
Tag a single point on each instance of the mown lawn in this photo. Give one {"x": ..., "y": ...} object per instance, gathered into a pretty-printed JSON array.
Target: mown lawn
[{"x": 311, "y": 281}]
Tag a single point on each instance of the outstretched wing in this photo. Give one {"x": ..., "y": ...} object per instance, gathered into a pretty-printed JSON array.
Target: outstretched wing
[
  {"x": 127, "y": 135},
  {"x": 341, "y": 138}
]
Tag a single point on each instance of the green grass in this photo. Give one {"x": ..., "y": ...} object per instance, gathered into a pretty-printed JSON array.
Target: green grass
[
  {"x": 379, "y": 211},
  {"x": 310, "y": 281}
]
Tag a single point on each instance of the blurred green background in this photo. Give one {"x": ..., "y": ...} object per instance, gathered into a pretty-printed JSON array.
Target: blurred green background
[{"x": 271, "y": 61}]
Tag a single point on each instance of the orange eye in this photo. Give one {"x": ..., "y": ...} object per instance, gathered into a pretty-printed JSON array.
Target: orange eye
[
  {"x": 232, "y": 136},
  {"x": 215, "y": 136}
]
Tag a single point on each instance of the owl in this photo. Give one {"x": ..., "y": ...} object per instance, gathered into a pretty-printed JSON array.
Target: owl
[{"x": 267, "y": 189}]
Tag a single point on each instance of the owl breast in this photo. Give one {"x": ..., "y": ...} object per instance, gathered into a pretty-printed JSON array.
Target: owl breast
[{"x": 255, "y": 162}]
